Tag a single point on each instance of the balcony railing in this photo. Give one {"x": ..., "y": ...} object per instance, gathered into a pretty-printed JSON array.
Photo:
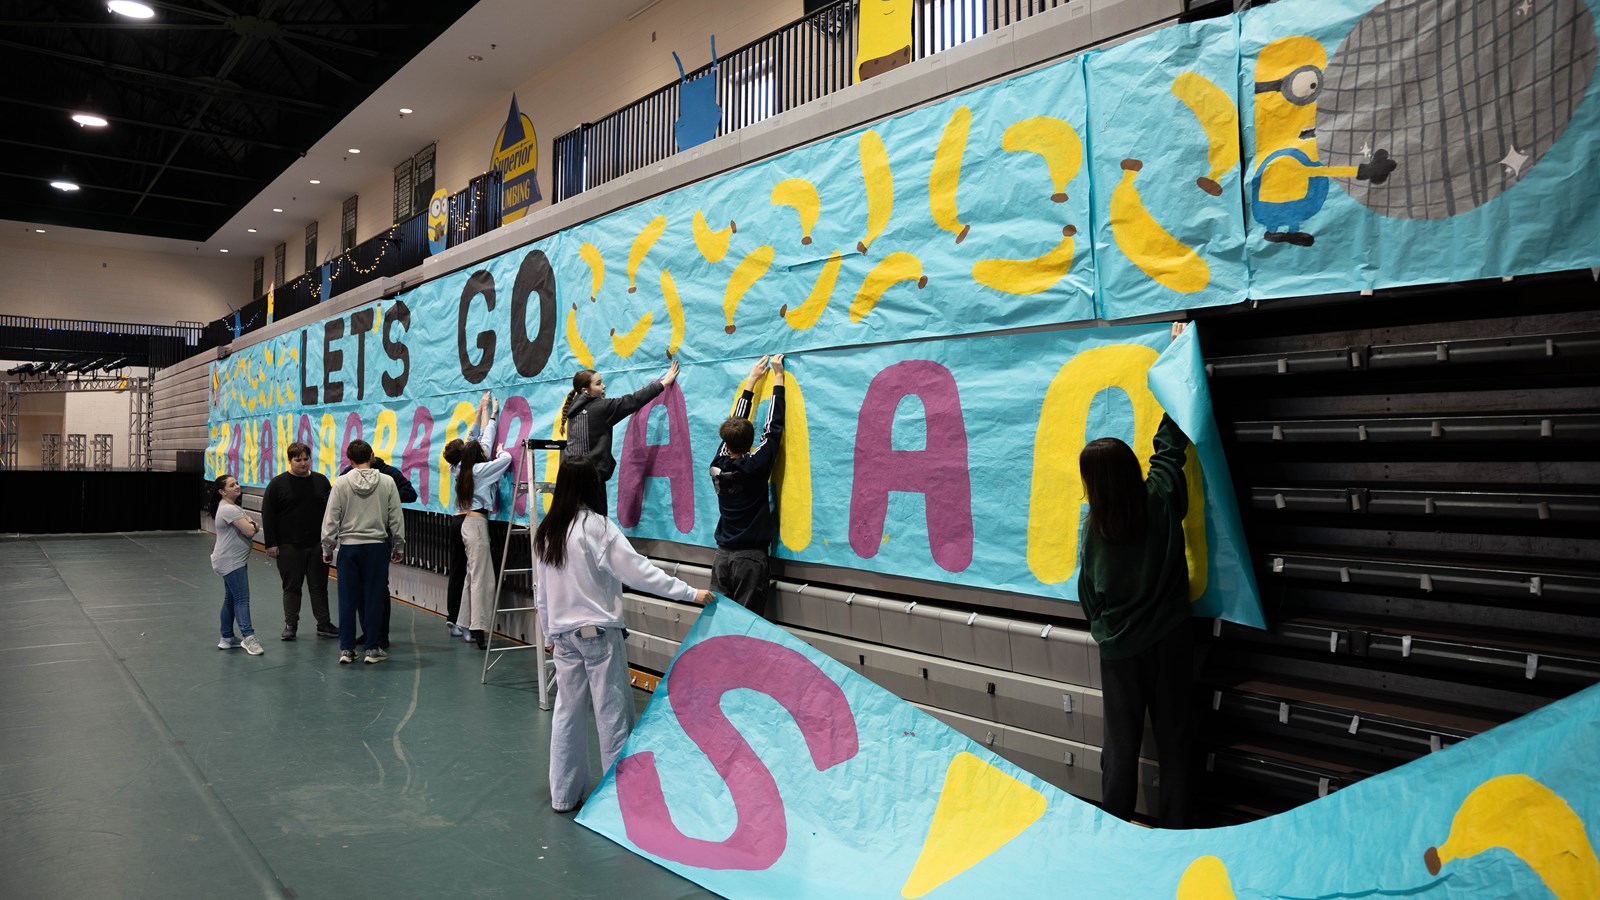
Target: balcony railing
[{"x": 798, "y": 63}]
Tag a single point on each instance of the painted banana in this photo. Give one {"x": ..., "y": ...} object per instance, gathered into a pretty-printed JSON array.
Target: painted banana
[
  {"x": 641, "y": 245},
  {"x": 713, "y": 244},
  {"x": 879, "y": 182},
  {"x": 669, "y": 292},
  {"x": 802, "y": 196},
  {"x": 1028, "y": 276},
  {"x": 807, "y": 313},
  {"x": 590, "y": 254},
  {"x": 747, "y": 273},
  {"x": 1053, "y": 139},
  {"x": 1518, "y": 814},
  {"x": 1219, "y": 117},
  {"x": 575, "y": 340},
  {"x": 1205, "y": 879},
  {"x": 946, "y": 176},
  {"x": 1152, "y": 248},
  {"x": 624, "y": 345},
  {"x": 895, "y": 268}
]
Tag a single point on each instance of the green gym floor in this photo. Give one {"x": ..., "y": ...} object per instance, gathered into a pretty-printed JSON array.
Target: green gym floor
[{"x": 138, "y": 760}]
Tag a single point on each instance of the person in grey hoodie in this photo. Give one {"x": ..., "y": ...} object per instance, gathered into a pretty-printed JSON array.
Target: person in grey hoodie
[{"x": 364, "y": 524}]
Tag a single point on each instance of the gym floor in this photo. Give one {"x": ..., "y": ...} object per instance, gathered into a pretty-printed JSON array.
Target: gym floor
[{"x": 138, "y": 760}]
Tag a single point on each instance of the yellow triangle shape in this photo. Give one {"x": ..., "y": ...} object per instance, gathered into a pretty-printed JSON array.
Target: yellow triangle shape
[{"x": 980, "y": 810}]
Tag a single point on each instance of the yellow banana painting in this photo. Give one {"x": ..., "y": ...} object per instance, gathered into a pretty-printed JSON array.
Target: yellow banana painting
[
  {"x": 1028, "y": 276},
  {"x": 1053, "y": 139},
  {"x": 575, "y": 340},
  {"x": 946, "y": 175},
  {"x": 1148, "y": 245},
  {"x": 1219, "y": 116},
  {"x": 669, "y": 292},
  {"x": 713, "y": 245},
  {"x": 747, "y": 273},
  {"x": 894, "y": 269},
  {"x": 879, "y": 183},
  {"x": 641, "y": 246},
  {"x": 1518, "y": 814},
  {"x": 625, "y": 344},
  {"x": 806, "y": 314},
  {"x": 590, "y": 254},
  {"x": 801, "y": 195},
  {"x": 1205, "y": 879}
]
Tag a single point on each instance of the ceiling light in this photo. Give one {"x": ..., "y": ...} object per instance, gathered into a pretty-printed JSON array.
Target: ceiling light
[
  {"x": 64, "y": 185},
  {"x": 405, "y": 110},
  {"x": 89, "y": 120},
  {"x": 131, "y": 9},
  {"x": 316, "y": 181},
  {"x": 251, "y": 230},
  {"x": 474, "y": 58},
  {"x": 223, "y": 250},
  {"x": 276, "y": 209},
  {"x": 354, "y": 150},
  {"x": 38, "y": 231}
]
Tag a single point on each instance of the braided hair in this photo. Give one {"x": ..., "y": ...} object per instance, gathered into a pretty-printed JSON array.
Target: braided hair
[{"x": 580, "y": 383}]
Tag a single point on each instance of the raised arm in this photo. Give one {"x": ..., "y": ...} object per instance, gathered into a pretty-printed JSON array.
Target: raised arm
[{"x": 1171, "y": 451}]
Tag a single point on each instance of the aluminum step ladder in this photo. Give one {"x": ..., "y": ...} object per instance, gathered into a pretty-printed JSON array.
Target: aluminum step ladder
[{"x": 527, "y": 487}]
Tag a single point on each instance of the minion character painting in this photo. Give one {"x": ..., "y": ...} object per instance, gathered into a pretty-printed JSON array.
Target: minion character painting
[{"x": 1427, "y": 110}]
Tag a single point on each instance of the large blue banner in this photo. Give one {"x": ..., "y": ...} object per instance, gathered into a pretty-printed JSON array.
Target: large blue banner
[{"x": 763, "y": 768}]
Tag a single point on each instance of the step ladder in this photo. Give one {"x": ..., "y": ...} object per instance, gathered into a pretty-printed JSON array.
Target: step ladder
[{"x": 527, "y": 487}]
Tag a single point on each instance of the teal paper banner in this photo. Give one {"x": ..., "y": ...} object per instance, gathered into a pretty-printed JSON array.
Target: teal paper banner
[{"x": 763, "y": 768}]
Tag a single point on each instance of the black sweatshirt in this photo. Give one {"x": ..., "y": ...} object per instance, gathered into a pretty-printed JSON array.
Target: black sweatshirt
[
  {"x": 291, "y": 510},
  {"x": 591, "y": 419},
  {"x": 741, "y": 482},
  {"x": 1135, "y": 592}
]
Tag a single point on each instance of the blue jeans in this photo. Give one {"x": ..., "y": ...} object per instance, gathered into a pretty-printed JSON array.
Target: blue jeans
[
  {"x": 363, "y": 591},
  {"x": 590, "y": 672},
  {"x": 236, "y": 602}
]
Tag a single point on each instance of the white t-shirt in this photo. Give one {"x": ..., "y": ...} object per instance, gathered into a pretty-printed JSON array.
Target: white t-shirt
[{"x": 233, "y": 548}]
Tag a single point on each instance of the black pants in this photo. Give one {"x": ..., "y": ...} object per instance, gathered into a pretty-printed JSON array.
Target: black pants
[
  {"x": 458, "y": 570},
  {"x": 741, "y": 575},
  {"x": 297, "y": 565},
  {"x": 1158, "y": 679}
]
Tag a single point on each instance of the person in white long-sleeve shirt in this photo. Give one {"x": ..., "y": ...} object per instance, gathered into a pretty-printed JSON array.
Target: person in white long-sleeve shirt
[
  {"x": 477, "y": 479},
  {"x": 582, "y": 561}
]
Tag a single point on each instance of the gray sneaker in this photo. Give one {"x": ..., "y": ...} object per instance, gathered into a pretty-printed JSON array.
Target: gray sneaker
[
  {"x": 288, "y": 633},
  {"x": 376, "y": 656},
  {"x": 347, "y": 656},
  {"x": 252, "y": 646},
  {"x": 228, "y": 643}
]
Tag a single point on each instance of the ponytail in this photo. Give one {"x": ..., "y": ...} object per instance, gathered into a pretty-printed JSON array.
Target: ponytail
[
  {"x": 471, "y": 454},
  {"x": 580, "y": 383}
]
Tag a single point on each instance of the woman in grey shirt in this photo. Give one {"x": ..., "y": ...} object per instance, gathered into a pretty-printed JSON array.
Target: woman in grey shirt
[{"x": 229, "y": 559}]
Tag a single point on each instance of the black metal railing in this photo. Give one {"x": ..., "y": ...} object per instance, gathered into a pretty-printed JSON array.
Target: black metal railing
[
  {"x": 798, "y": 63},
  {"x": 83, "y": 341}
]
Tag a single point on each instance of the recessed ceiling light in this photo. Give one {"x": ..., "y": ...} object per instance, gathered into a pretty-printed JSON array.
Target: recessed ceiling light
[
  {"x": 67, "y": 186},
  {"x": 89, "y": 119},
  {"x": 251, "y": 230},
  {"x": 223, "y": 250},
  {"x": 405, "y": 110},
  {"x": 38, "y": 231},
  {"x": 316, "y": 181},
  {"x": 355, "y": 150},
  {"x": 131, "y": 9},
  {"x": 276, "y": 209},
  {"x": 474, "y": 58}
]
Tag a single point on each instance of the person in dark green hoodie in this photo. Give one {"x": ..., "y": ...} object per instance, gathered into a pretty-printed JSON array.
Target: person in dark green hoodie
[{"x": 1133, "y": 585}]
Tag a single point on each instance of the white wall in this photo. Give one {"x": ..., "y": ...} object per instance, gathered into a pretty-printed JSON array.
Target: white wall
[{"x": 41, "y": 277}]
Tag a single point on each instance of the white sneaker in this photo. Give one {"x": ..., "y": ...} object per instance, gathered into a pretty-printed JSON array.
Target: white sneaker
[
  {"x": 466, "y": 635},
  {"x": 252, "y": 646},
  {"x": 228, "y": 643}
]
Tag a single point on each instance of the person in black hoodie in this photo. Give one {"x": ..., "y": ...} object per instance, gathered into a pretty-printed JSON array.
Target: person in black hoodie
[
  {"x": 291, "y": 517},
  {"x": 588, "y": 417},
  {"x": 740, "y": 475},
  {"x": 408, "y": 494}
]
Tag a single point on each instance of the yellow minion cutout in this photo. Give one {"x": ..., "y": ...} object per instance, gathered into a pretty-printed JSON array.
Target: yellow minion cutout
[
  {"x": 438, "y": 218},
  {"x": 1290, "y": 185},
  {"x": 883, "y": 37}
]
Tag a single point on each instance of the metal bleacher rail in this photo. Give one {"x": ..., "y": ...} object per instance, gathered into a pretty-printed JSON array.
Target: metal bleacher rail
[{"x": 800, "y": 62}]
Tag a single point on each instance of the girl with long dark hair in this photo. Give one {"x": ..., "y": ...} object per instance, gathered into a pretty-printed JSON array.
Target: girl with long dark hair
[
  {"x": 230, "y": 558},
  {"x": 582, "y": 561},
  {"x": 477, "y": 476},
  {"x": 1133, "y": 585},
  {"x": 588, "y": 416}
]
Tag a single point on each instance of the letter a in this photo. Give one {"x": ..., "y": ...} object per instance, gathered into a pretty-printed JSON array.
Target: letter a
[
  {"x": 938, "y": 472},
  {"x": 673, "y": 460}
]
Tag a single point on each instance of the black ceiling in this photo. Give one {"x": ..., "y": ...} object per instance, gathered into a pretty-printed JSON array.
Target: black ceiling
[{"x": 209, "y": 101}]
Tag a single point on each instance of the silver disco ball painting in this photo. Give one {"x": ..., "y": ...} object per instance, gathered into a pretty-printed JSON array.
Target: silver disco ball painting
[{"x": 1465, "y": 96}]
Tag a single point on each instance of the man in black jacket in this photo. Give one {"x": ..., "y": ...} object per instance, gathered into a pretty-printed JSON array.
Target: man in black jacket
[
  {"x": 291, "y": 516},
  {"x": 740, "y": 475}
]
